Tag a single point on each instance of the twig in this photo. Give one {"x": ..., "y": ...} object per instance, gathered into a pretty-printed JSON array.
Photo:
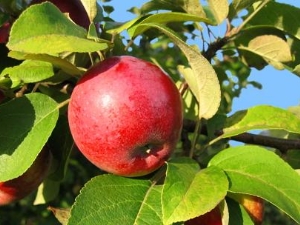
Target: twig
[{"x": 283, "y": 145}]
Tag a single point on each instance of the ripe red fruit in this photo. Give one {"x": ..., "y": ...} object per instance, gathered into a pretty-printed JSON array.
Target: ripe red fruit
[
  {"x": 4, "y": 32},
  {"x": 213, "y": 217},
  {"x": 75, "y": 9},
  {"x": 125, "y": 116},
  {"x": 253, "y": 205},
  {"x": 20, "y": 187}
]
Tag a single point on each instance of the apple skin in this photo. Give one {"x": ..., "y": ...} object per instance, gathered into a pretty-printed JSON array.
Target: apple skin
[
  {"x": 213, "y": 217},
  {"x": 20, "y": 187},
  {"x": 252, "y": 204},
  {"x": 125, "y": 116},
  {"x": 4, "y": 32},
  {"x": 74, "y": 7}
]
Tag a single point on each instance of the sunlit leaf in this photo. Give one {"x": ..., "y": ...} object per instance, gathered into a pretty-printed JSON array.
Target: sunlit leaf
[
  {"x": 52, "y": 33},
  {"x": 219, "y": 9},
  {"x": 26, "y": 124},
  {"x": 91, "y": 8},
  {"x": 189, "y": 6},
  {"x": 109, "y": 199},
  {"x": 256, "y": 171},
  {"x": 188, "y": 193},
  {"x": 54, "y": 60},
  {"x": 271, "y": 48},
  {"x": 163, "y": 18},
  {"x": 272, "y": 15},
  {"x": 237, "y": 5},
  {"x": 260, "y": 117},
  {"x": 29, "y": 71}
]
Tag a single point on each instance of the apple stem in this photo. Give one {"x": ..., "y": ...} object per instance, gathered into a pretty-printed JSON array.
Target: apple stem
[{"x": 62, "y": 104}]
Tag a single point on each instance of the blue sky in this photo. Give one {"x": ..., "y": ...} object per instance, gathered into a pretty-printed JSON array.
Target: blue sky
[{"x": 280, "y": 88}]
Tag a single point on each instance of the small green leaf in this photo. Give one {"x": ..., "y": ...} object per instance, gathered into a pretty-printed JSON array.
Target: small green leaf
[
  {"x": 256, "y": 171},
  {"x": 237, "y": 5},
  {"x": 46, "y": 192},
  {"x": 188, "y": 193},
  {"x": 117, "y": 28},
  {"x": 203, "y": 80},
  {"x": 91, "y": 8},
  {"x": 272, "y": 15},
  {"x": 219, "y": 9},
  {"x": 109, "y": 199},
  {"x": 237, "y": 213},
  {"x": 52, "y": 33},
  {"x": 58, "y": 62},
  {"x": 271, "y": 48},
  {"x": 260, "y": 117},
  {"x": 26, "y": 124},
  {"x": 189, "y": 6},
  {"x": 29, "y": 71},
  {"x": 163, "y": 18}
]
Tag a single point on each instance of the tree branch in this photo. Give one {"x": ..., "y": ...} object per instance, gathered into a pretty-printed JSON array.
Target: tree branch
[{"x": 283, "y": 145}]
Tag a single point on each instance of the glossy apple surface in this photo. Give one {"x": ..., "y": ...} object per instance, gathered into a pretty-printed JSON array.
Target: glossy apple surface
[
  {"x": 125, "y": 116},
  {"x": 20, "y": 187},
  {"x": 213, "y": 217},
  {"x": 75, "y": 9}
]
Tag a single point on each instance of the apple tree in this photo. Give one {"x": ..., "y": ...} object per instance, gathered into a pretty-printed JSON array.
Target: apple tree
[{"x": 46, "y": 50}]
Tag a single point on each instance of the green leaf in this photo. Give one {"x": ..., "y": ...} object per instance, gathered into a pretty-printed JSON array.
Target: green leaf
[
  {"x": 91, "y": 8},
  {"x": 52, "y": 33},
  {"x": 219, "y": 9},
  {"x": 26, "y": 124},
  {"x": 29, "y": 71},
  {"x": 203, "y": 81},
  {"x": 271, "y": 48},
  {"x": 260, "y": 117},
  {"x": 256, "y": 171},
  {"x": 109, "y": 199},
  {"x": 46, "y": 192},
  {"x": 117, "y": 28},
  {"x": 189, "y": 6},
  {"x": 250, "y": 56},
  {"x": 293, "y": 158},
  {"x": 188, "y": 193},
  {"x": 238, "y": 214},
  {"x": 163, "y": 18},
  {"x": 58, "y": 62},
  {"x": 279, "y": 15},
  {"x": 237, "y": 5}
]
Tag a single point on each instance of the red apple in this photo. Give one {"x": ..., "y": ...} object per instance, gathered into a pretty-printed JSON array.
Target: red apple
[
  {"x": 213, "y": 217},
  {"x": 4, "y": 32},
  {"x": 75, "y": 9},
  {"x": 252, "y": 204},
  {"x": 20, "y": 187},
  {"x": 125, "y": 116}
]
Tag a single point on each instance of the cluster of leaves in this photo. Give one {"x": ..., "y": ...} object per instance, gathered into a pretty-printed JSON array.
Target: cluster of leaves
[{"x": 42, "y": 63}]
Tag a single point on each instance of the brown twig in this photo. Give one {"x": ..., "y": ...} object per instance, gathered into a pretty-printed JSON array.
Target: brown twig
[{"x": 283, "y": 145}]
